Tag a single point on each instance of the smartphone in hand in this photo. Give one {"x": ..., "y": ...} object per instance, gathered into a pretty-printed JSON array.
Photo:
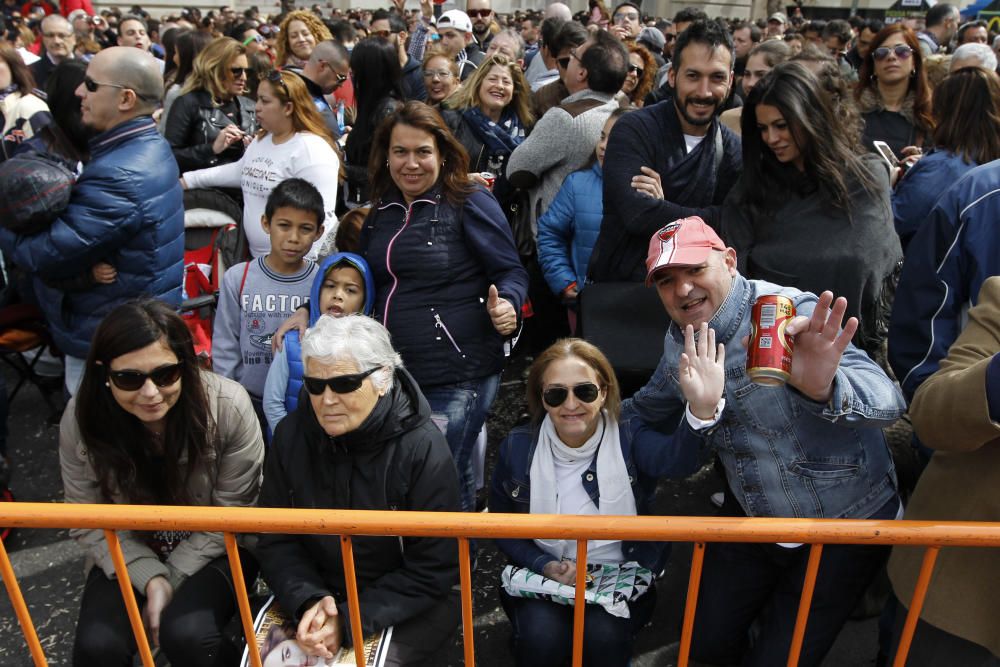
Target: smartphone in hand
[{"x": 886, "y": 153}]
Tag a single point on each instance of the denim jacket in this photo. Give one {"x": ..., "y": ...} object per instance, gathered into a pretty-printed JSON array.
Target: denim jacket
[
  {"x": 648, "y": 455},
  {"x": 786, "y": 455}
]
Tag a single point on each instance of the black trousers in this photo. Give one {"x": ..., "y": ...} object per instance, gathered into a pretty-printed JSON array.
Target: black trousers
[{"x": 191, "y": 628}]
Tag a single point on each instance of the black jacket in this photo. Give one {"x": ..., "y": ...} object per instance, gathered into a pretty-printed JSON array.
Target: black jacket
[
  {"x": 194, "y": 123},
  {"x": 396, "y": 460}
]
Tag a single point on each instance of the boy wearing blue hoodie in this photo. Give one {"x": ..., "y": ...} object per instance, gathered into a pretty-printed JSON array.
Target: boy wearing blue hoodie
[{"x": 343, "y": 286}]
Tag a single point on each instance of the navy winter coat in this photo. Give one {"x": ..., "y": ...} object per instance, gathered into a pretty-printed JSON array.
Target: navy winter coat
[
  {"x": 126, "y": 209},
  {"x": 433, "y": 264}
]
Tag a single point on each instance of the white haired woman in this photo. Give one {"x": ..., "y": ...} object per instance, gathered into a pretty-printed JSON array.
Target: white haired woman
[{"x": 363, "y": 440}]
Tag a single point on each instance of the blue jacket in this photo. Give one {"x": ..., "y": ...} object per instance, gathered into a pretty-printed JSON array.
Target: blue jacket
[
  {"x": 954, "y": 251},
  {"x": 433, "y": 263},
  {"x": 648, "y": 456},
  {"x": 784, "y": 454},
  {"x": 920, "y": 188},
  {"x": 126, "y": 209},
  {"x": 293, "y": 349},
  {"x": 568, "y": 230}
]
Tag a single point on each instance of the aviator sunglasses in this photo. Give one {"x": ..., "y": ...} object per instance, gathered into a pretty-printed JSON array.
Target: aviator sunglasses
[
  {"x": 341, "y": 384},
  {"x": 902, "y": 52},
  {"x": 129, "y": 380},
  {"x": 556, "y": 396}
]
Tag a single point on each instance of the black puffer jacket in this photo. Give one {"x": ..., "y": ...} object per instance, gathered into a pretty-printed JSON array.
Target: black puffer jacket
[
  {"x": 396, "y": 460},
  {"x": 194, "y": 123}
]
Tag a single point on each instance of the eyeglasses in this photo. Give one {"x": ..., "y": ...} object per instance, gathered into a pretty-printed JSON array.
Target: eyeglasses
[
  {"x": 638, "y": 70},
  {"x": 556, "y": 396},
  {"x": 479, "y": 13},
  {"x": 240, "y": 72},
  {"x": 341, "y": 384},
  {"x": 563, "y": 62},
  {"x": 902, "y": 52},
  {"x": 56, "y": 35},
  {"x": 275, "y": 77},
  {"x": 431, "y": 74},
  {"x": 253, "y": 38},
  {"x": 381, "y": 33},
  {"x": 621, "y": 17},
  {"x": 129, "y": 380}
]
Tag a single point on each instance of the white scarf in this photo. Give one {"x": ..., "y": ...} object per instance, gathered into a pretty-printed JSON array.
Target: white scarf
[{"x": 614, "y": 490}]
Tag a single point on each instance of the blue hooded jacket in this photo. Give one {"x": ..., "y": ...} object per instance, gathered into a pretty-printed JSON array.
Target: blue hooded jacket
[{"x": 293, "y": 347}]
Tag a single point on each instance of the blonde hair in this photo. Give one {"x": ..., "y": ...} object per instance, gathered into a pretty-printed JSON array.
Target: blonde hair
[
  {"x": 438, "y": 51},
  {"x": 468, "y": 95},
  {"x": 210, "y": 68},
  {"x": 319, "y": 31},
  {"x": 305, "y": 117},
  {"x": 590, "y": 354}
]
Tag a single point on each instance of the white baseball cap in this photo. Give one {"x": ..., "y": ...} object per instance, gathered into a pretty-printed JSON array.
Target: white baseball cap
[{"x": 456, "y": 19}]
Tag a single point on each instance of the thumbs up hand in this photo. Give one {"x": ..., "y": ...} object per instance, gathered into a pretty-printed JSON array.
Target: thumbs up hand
[{"x": 501, "y": 312}]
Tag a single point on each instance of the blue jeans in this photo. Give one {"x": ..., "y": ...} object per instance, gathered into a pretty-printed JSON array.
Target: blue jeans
[
  {"x": 543, "y": 631},
  {"x": 759, "y": 586},
  {"x": 460, "y": 411}
]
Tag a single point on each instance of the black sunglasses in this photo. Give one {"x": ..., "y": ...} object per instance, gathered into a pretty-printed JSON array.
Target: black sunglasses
[
  {"x": 638, "y": 70},
  {"x": 92, "y": 85},
  {"x": 556, "y": 396},
  {"x": 563, "y": 62},
  {"x": 129, "y": 380},
  {"x": 341, "y": 384},
  {"x": 478, "y": 13},
  {"x": 902, "y": 52},
  {"x": 240, "y": 71},
  {"x": 275, "y": 77}
]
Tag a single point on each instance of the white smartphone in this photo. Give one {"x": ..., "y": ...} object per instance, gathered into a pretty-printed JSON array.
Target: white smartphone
[{"x": 886, "y": 153}]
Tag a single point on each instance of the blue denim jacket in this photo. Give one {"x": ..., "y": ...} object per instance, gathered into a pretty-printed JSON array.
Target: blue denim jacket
[
  {"x": 648, "y": 456},
  {"x": 786, "y": 455}
]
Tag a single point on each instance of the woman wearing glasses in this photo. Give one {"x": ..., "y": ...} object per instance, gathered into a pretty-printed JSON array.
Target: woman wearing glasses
[
  {"x": 293, "y": 142},
  {"x": 440, "y": 75},
  {"x": 211, "y": 123},
  {"x": 893, "y": 94},
  {"x": 579, "y": 455},
  {"x": 641, "y": 74},
  {"x": 149, "y": 427},
  {"x": 364, "y": 441}
]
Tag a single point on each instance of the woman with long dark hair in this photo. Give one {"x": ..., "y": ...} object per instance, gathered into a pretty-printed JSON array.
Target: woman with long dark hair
[
  {"x": 187, "y": 46},
  {"x": 377, "y": 78},
  {"x": 808, "y": 211},
  {"x": 893, "y": 93},
  {"x": 967, "y": 134},
  {"x": 149, "y": 427}
]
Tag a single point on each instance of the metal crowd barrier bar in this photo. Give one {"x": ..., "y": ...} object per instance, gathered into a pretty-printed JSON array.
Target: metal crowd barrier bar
[{"x": 462, "y": 526}]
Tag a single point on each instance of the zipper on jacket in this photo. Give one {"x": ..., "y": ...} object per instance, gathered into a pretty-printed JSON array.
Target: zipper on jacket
[
  {"x": 439, "y": 324},
  {"x": 388, "y": 259}
]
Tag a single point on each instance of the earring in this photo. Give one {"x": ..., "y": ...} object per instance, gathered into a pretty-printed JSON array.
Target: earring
[
  {"x": 387, "y": 163},
  {"x": 107, "y": 384}
]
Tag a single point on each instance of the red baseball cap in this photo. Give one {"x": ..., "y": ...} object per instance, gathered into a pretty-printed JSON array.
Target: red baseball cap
[{"x": 685, "y": 242}]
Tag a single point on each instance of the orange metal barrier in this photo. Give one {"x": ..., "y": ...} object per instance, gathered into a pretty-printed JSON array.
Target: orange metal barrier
[{"x": 700, "y": 530}]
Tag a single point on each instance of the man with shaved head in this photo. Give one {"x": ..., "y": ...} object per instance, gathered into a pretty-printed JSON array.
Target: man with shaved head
[
  {"x": 59, "y": 40},
  {"x": 328, "y": 67},
  {"x": 124, "y": 226}
]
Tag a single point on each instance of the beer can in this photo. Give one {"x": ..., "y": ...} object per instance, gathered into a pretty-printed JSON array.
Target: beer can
[
  {"x": 769, "y": 353},
  {"x": 489, "y": 177}
]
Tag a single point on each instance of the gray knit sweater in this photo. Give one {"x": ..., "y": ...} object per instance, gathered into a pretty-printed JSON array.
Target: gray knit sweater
[{"x": 558, "y": 145}]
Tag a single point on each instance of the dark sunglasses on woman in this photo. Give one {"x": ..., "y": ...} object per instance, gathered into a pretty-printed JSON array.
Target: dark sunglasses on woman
[
  {"x": 638, "y": 70},
  {"x": 902, "y": 52},
  {"x": 130, "y": 380},
  {"x": 240, "y": 71},
  {"x": 556, "y": 396},
  {"x": 341, "y": 384}
]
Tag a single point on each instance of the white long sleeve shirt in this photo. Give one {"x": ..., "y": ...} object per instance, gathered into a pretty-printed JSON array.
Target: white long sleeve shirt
[{"x": 264, "y": 165}]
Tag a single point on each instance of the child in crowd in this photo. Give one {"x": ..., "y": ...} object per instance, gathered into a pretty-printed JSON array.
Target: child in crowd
[
  {"x": 257, "y": 296},
  {"x": 568, "y": 230},
  {"x": 343, "y": 286}
]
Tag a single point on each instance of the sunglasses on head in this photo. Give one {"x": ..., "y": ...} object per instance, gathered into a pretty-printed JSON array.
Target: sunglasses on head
[
  {"x": 588, "y": 392},
  {"x": 275, "y": 77},
  {"x": 268, "y": 30},
  {"x": 240, "y": 71},
  {"x": 902, "y": 52},
  {"x": 341, "y": 384},
  {"x": 129, "y": 380},
  {"x": 479, "y": 13},
  {"x": 638, "y": 70}
]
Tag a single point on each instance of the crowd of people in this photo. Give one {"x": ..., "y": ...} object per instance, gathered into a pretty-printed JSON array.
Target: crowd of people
[{"x": 422, "y": 195}]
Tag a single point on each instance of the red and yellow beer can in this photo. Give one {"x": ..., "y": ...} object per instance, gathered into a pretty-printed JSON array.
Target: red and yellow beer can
[{"x": 769, "y": 353}]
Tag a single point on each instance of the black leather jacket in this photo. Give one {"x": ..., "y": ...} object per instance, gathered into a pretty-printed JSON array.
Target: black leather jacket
[{"x": 194, "y": 123}]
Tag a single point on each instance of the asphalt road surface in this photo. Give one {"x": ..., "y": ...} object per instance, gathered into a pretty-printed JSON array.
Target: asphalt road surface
[{"x": 49, "y": 565}]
